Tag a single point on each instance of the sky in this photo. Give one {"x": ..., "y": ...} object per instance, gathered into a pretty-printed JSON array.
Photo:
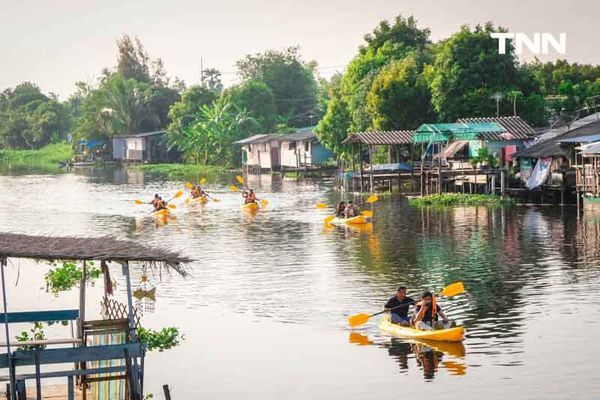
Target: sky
[{"x": 56, "y": 43}]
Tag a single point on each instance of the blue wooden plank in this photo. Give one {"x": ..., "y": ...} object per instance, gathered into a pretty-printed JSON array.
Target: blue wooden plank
[
  {"x": 41, "y": 316},
  {"x": 74, "y": 354}
]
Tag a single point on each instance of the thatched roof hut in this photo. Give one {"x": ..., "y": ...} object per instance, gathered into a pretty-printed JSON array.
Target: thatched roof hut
[{"x": 106, "y": 248}]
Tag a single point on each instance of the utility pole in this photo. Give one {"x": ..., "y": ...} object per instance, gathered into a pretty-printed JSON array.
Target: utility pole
[{"x": 201, "y": 71}]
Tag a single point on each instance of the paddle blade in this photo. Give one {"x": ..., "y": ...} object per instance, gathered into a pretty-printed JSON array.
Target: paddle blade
[
  {"x": 203, "y": 181},
  {"x": 189, "y": 185},
  {"x": 172, "y": 206},
  {"x": 328, "y": 219},
  {"x": 240, "y": 179},
  {"x": 139, "y": 202},
  {"x": 358, "y": 319},
  {"x": 215, "y": 200},
  {"x": 322, "y": 206},
  {"x": 453, "y": 289},
  {"x": 178, "y": 194},
  {"x": 367, "y": 213},
  {"x": 233, "y": 188},
  {"x": 264, "y": 202}
]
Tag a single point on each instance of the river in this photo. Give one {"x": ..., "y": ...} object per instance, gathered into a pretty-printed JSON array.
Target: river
[{"x": 265, "y": 304}]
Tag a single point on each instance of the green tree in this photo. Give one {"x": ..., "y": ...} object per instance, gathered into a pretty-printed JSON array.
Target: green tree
[
  {"x": 255, "y": 97},
  {"x": 209, "y": 138},
  {"x": 362, "y": 100},
  {"x": 291, "y": 80},
  {"x": 467, "y": 72},
  {"x": 183, "y": 112},
  {"x": 399, "y": 96},
  {"x": 31, "y": 119}
]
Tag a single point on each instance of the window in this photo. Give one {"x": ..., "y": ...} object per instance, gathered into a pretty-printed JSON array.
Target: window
[
  {"x": 307, "y": 146},
  {"x": 292, "y": 146}
]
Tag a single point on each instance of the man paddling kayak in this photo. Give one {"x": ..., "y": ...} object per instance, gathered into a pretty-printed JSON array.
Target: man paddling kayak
[
  {"x": 426, "y": 314},
  {"x": 197, "y": 192},
  {"x": 249, "y": 196},
  {"x": 158, "y": 203},
  {"x": 351, "y": 211},
  {"x": 398, "y": 307}
]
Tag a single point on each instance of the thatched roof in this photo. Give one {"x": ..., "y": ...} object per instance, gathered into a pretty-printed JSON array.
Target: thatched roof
[{"x": 105, "y": 248}]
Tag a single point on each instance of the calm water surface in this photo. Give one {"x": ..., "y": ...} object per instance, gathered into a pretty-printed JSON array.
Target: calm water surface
[{"x": 264, "y": 308}]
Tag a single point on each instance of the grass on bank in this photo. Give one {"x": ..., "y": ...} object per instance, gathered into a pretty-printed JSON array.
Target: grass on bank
[
  {"x": 461, "y": 199},
  {"x": 50, "y": 154},
  {"x": 178, "y": 171}
]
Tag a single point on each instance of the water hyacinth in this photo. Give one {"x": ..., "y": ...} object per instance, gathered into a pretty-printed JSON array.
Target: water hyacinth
[{"x": 461, "y": 199}]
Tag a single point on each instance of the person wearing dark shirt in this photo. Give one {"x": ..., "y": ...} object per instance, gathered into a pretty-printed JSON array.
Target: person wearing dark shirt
[
  {"x": 398, "y": 307},
  {"x": 427, "y": 312}
]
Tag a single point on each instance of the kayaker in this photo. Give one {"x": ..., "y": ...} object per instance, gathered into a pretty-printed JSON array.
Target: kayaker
[
  {"x": 156, "y": 202},
  {"x": 427, "y": 312},
  {"x": 340, "y": 209},
  {"x": 250, "y": 197},
  {"x": 351, "y": 211},
  {"x": 197, "y": 192},
  {"x": 398, "y": 307}
]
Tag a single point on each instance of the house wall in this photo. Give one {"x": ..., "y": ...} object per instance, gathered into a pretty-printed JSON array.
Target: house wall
[
  {"x": 119, "y": 149},
  {"x": 259, "y": 154},
  {"x": 320, "y": 154}
]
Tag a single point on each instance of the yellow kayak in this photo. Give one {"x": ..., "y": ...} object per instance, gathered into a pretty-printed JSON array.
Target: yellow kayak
[
  {"x": 250, "y": 206},
  {"x": 443, "y": 335},
  {"x": 162, "y": 213},
  {"x": 359, "y": 220},
  {"x": 201, "y": 200}
]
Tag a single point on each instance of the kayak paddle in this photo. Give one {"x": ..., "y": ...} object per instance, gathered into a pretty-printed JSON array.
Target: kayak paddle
[
  {"x": 452, "y": 289},
  {"x": 322, "y": 206},
  {"x": 328, "y": 219}
]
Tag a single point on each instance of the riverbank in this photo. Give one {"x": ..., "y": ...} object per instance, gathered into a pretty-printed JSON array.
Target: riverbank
[
  {"x": 461, "y": 199},
  {"x": 180, "y": 171},
  {"x": 50, "y": 154}
]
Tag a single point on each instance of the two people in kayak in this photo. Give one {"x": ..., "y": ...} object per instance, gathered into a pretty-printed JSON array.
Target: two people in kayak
[
  {"x": 158, "y": 203},
  {"x": 349, "y": 210},
  {"x": 426, "y": 312}
]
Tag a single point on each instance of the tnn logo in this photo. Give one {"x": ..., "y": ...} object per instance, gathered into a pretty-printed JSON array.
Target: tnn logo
[{"x": 539, "y": 45}]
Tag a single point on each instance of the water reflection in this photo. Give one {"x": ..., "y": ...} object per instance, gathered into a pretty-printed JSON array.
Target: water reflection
[
  {"x": 427, "y": 356},
  {"x": 522, "y": 266}
]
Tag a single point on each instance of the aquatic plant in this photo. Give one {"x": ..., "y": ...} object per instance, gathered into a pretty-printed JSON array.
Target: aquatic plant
[
  {"x": 180, "y": 171},
  {"x": 35, "y": 333},
  {"x": 67, "y": 275},
  {"x": 164, "y": 339},
  {"x": 454, "y": 199}
]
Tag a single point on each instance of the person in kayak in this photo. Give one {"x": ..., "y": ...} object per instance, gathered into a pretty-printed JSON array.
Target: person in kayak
[
  {"x": 351, "y": 211},
  {"x": 427, "y": 312},
  {"x": 398, "y": 307},
  {"x": 157, "y": 202},
  {"x": 340, "y": 209},
  {"x": 197, "y": 192},
  {"x": 250, "y": 197}
]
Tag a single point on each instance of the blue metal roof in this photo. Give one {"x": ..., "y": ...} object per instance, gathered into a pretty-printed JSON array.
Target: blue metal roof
[{"x": 582, "y": 139}]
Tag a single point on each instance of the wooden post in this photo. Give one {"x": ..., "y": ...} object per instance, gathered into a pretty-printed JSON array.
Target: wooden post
[
  {"x": 371, "y": 181},
  {"x": 502, "y": 182},
  {"x": 11, "y": 369},
  {"x": 82, "y": 299},
  {"x": 167, "y": 392},
  {"x": 360, "y": 162}
]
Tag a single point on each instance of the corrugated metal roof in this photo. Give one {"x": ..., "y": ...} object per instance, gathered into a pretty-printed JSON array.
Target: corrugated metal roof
[
  {"x": 553, "y": 147},
  {"x": 299, "y": 135},
  {"x": 141, "y": 134},
  {"x": 260, "y": 138},
  {"x": 517, "y": 127},
  {"x": 381, "y": 137}
]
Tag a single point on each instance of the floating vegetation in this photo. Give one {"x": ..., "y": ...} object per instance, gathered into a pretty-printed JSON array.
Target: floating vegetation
[
  {"x": 68, "y": 275},
  {"x": 164, "y": 339},
  {"x": 461, "y": 199}
]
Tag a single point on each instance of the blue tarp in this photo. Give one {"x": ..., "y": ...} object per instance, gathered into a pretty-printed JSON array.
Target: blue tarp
[{"x": 396, "y": 167}]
